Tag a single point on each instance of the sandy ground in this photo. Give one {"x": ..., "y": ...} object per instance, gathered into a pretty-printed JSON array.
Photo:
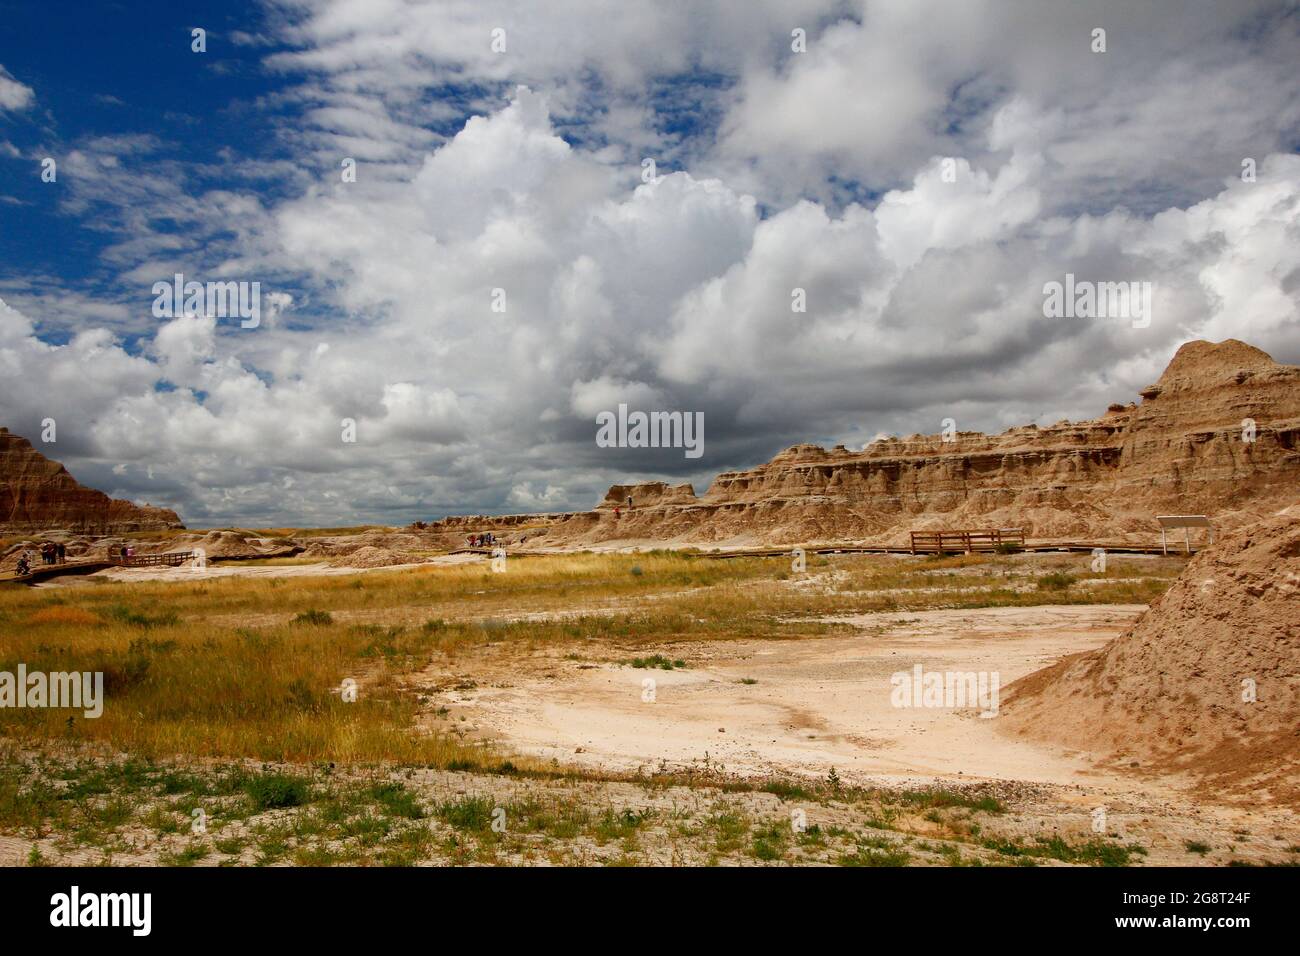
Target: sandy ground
[
  {"x": 816, "y": 704},
  {"x": 825, "y": 703}
]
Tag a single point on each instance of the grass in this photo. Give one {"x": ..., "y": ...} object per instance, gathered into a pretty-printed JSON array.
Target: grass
[
  {"x": 940, "y": 797},
  {"x": 397, "y": 801},
  {"x": 114, "y": 808},
  {"x": 656, "y": 661},
  {"x": 275, "y": 791},
  {"x": 471, "y": 813},
  {"x": 315, "y": 618},
  {"x": 1096, "y": 852},
  {"x": 251, "y": 667},
  {"x": 866, "y": 855},
  {"x": 1056, "y": 581},
  {"x": 769, "y": 843}
]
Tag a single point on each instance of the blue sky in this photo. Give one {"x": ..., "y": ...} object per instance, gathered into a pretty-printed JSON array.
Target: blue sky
[
  {"x": 116, "y": 70},
  {"x": 521, "y": 169}
]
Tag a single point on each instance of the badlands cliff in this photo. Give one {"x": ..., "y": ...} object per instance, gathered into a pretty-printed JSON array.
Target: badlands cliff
[
  {"x": 37, "y": 494},
  {"x": 1218, "y": 434}
]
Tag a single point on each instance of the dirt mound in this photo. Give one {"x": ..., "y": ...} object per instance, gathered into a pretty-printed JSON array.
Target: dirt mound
[
  {"x": 372, "y": 557},
  {"x": 338, "y": 545},
  {"x": 231, "y": 544},
  {"x": 1207, "y": 681}
]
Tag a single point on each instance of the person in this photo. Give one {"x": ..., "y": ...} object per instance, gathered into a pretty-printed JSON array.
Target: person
[
  {"x": 62, "y": 552},
  {"x": 23, "y": 567},
  {"x": 616, "y": 511},
  {"x": 629, "y": 502}
]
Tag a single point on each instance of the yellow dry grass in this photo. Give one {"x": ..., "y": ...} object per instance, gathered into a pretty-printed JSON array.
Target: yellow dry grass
[{"x": 253, "y": 666}]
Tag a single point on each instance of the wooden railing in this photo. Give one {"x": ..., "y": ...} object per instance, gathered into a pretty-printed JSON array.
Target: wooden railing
[
  {"x": 171, "y": 559},
  {"x": 966, "y": 542}
]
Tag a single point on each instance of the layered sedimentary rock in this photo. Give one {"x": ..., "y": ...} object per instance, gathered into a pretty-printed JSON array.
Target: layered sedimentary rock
[
  {"x": 648, "y": 494},
  {"x": 38, "y": 494},
  {"x": 1218, "y": 434}
]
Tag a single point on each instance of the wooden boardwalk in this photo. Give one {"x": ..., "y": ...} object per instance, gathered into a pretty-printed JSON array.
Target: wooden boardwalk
[
  {"x": 1030, "y": 547},
  {"x": 966, "y": 541},
  {"x": 43, "y": 572}
]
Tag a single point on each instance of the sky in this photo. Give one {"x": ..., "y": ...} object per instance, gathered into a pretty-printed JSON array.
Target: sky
[{"x": 462, "y": 249}]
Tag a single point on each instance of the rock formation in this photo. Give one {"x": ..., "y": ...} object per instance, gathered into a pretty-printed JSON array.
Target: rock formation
[
  {"x": 1218, "y": 434},
  {"x": 1206, "y": 681},
  {"x": 37, "y": 494}
]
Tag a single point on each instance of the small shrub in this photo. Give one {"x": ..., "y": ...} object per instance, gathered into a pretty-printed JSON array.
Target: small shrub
[
  {"x": 276, "y": 791},
  {"x": 397, "y": 801},
  {"x": 315, "y": 618},
  {"x": 471, "y": 813},
  {"x": 657, "y": 660}
]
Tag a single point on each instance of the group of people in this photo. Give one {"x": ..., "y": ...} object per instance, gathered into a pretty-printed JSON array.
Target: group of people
[
  {"x": 485, "y": 540},
  {"x": 51, "y": 553}
]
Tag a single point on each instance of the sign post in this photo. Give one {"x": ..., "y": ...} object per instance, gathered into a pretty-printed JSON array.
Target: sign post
[{"x": 1185, "y": 522}]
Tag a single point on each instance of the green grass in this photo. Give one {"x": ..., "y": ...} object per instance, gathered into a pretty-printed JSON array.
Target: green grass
[
  {"x": 769, "y": 842},
  {"x": 1095, "y": 852},
  {"x": 941, "y": 797},
  {"x": 186, "y": 856},
  {"x": 470, "y": 813},
  {"x": 275, "y": 791},
  {"x": 869, "y": 856},
  {"x": 787, "y": 790},
  {"x": 656, "y": 661},
  {"x": 397, "y": 801}
]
